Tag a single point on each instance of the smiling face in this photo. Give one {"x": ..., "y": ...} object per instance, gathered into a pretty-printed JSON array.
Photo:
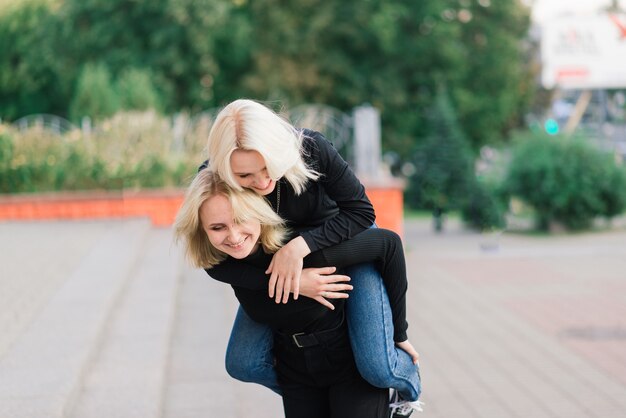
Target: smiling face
[
  {"x": 238, "y": 240},
  {"x": 250, "y": 171}
]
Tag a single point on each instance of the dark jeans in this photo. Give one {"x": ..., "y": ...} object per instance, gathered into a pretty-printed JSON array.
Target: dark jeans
[{"x": 322, "y": 381}]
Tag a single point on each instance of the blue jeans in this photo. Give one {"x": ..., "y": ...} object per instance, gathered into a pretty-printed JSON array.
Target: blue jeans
[{"x": 249, "y": 355}]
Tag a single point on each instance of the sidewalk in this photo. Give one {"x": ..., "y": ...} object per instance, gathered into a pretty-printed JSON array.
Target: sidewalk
[
  {"x": 530, "y": 327},
  {"x": 535, "y": 328}
]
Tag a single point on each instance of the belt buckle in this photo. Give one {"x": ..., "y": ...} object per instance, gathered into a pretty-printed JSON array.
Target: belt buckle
[{"x": 295, "y": 339}]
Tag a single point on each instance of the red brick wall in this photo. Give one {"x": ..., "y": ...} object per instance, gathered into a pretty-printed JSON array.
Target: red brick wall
[
  {"x": 159, "y": 205},
  {"x": 389, "y": 206}
]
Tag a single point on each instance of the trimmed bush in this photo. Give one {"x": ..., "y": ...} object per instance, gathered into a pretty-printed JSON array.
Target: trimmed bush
[
  {"x": 483, "y": 210},
  {"x": 566, "y": 180},
  {"x": 130, "y": 150}
]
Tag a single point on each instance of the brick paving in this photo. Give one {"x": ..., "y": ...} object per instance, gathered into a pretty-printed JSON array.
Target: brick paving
[
  {"x": 36, "y": 258},
  {"x": 533, "y": 328},
  {"x": 511, "y": 326}
]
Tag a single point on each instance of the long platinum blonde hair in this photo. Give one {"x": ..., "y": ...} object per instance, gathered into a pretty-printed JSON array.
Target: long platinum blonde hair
[
  {"x": 248, "y": 125},
  {"x": 247, "y": 205}
]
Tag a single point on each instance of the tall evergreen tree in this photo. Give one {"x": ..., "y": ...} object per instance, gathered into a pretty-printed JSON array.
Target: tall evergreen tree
[{"x": 443, "y": 163}]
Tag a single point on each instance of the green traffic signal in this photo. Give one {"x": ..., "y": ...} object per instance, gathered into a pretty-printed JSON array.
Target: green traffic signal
[{"x": 551, "y": 126}]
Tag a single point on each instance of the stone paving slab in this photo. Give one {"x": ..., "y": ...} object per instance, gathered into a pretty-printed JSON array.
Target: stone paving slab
[
  {"x": 41, "y": 372},
  {"x": 198, "y": 385},
  {"x": 127, "y": 375},
  {"x": 499, "y": 331},
  {"x": 36, "y": 258},
  {"x": 532, "y": 328}
]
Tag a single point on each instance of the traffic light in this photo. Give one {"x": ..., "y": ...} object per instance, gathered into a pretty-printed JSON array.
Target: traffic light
[{"x": 551, "y": 126}]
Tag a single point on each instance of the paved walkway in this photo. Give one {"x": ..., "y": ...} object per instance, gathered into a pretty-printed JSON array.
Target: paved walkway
[
  {"x": 509, "y": 326},
  {"x": 533, "y": 328}
]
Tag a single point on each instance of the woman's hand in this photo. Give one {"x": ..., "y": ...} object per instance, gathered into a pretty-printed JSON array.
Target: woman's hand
[
  {"x": 285, "y": 270},
  {"x": 321, "y": 284},
  {"x": 408, "y": 347}
]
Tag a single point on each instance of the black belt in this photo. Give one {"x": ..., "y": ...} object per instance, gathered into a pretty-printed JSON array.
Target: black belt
[{"x": 303, "y": 340}]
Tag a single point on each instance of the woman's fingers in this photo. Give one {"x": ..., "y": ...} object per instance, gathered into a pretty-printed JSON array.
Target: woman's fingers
[
  {"x": 271, "y": 286},
  {"x": 284, "y": 294},
  {"x": 325, "y": 270},
  {"x": 324, "y": 302},
  {"x": 335, "y": 295},
  {"x": 334, "y": 278},
  {"x": 411, "y": 351},
  {"x": 296, "y": 285},
  {"x": 276, "y": 286},
  {"x": 336, "y": 287},
  {"x": 319, "y": 282}
]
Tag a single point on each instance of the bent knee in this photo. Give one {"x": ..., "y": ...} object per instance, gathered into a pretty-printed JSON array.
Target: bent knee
[
  {"x": 376, "y": 373},
  {"x": 244, "y": 372},
  {"x": 247, "y": 369},
  {"x": 237, "y": 371}
]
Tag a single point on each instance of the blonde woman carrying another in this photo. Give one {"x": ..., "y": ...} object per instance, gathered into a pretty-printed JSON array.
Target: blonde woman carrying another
[
  {"x": 313, "y": 189},
  {"x": 315, "y": 368}
]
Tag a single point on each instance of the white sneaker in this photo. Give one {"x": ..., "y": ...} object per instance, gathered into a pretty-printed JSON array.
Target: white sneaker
[{"x": 401, "y": 408}]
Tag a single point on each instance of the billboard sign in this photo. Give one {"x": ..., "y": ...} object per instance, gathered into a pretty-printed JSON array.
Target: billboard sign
[{"x": 584, "y": 52}]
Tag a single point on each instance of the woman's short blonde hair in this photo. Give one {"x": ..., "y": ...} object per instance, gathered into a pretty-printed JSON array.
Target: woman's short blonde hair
[
  {"x": 246, "y": 205},
  {"x": 247, "y": 125}
]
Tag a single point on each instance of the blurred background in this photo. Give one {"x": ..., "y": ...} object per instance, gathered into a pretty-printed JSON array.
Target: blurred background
[
  {"x": 110, "y": 95},
  {"x": 500, "y": 125},
  {"x": 476, "y": 101}
]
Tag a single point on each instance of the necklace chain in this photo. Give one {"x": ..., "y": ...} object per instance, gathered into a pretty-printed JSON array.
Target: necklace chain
[{"x": 277, "y": 196}]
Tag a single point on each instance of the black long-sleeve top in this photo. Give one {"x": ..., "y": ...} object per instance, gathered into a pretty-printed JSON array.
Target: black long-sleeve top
[
  {"x": 301, "y": 315},
  {"x": 380, "y": 246},
  {"x": 331, "y": 211},
  {"x": 333, "y": 208}
]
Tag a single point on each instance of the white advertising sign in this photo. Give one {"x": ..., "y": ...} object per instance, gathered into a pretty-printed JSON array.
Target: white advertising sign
[{"x": 584, "y": 52}]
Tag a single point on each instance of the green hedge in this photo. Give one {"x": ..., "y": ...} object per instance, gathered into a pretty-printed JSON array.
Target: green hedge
[
  {"x": 485, "y": 207},
  {"x": 130, "y": 150},
  {"x": 566, "y": 180}
]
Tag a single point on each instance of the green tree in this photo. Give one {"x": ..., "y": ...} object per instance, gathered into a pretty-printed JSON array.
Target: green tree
[
  {"x": 233, "y": 54},
  {"x": 136, "y": 90},
  {"x": 566, "y": 180},
  {"x": 484, "y": 208},
  {"x": 393, "y": 54},
  {"x": 175, "y": 39},
  {"x": 388, "y": 54},
  {"x": 95, "y": 96},
  {"x": 6, "y": 158},
  {"x": 29, "y": 71},
  {"x": 493, "y": 89},
  {"x": 444, "y": 173}
]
